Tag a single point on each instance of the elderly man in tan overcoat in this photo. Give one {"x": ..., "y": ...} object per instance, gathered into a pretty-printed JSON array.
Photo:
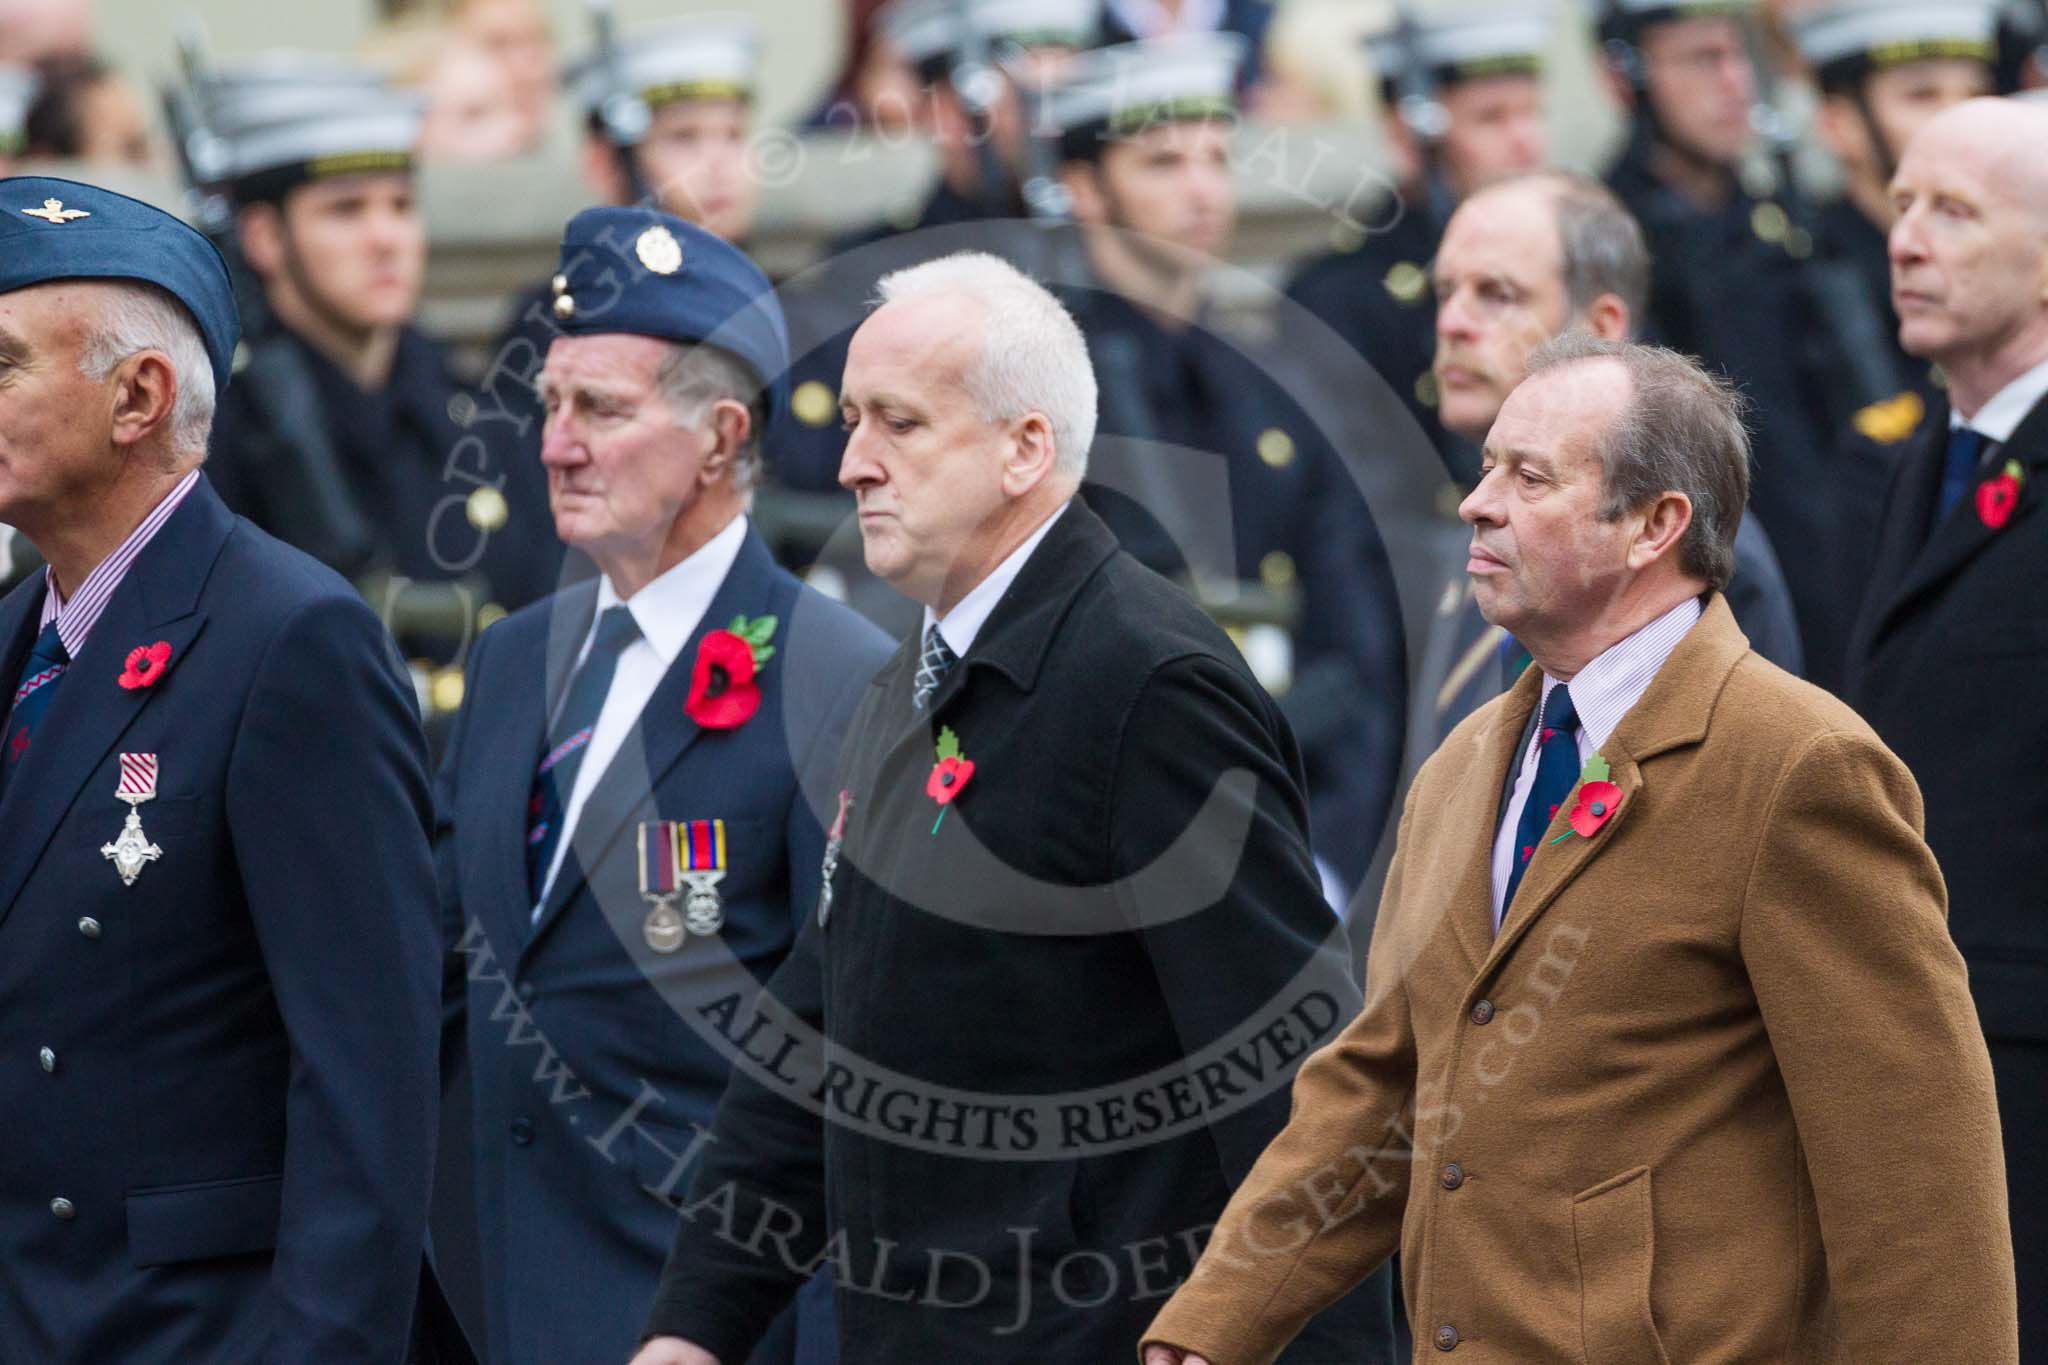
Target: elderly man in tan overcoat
[{"x": 1666, "y": 1054}]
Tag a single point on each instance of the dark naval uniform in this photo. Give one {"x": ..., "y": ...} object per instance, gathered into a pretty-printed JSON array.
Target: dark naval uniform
[
  {"x": 1377, "y": 299},
  {"x": 444, "y": 503},
  {"x": 1022, "y": 1120},
  {"x": 1205, "y": 426}
]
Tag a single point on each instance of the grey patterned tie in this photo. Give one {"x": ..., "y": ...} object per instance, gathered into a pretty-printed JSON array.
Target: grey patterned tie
[{"x": 932, "y": 666}]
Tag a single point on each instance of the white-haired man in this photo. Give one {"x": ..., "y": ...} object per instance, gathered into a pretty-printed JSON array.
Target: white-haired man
[
  {"x": 1070, "y": 941},
  {"x": 216, "y": 909}
]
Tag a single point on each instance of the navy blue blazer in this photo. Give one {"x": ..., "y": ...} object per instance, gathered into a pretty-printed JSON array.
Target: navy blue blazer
[
  {"x": 592, "y": 1057},
  {"x": 237, "y": 1097}
]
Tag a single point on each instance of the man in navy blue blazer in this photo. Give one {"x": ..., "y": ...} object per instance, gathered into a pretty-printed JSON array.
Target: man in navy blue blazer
[
  {"x": 217, "y": 948},
  {"x": 633, "y": 804}
]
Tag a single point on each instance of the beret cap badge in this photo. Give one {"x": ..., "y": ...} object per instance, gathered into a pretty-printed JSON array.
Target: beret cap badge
[
  {"x": 659, "y": 250},
  {"x": 53, "y": 210}
]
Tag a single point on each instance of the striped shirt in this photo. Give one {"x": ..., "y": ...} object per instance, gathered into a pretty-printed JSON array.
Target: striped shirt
[
  {"x": 1602, "y": 694},
  {"x": 76, "y": 614}
]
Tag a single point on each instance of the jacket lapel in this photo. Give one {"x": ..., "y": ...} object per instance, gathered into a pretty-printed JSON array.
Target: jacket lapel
[
  {"x": 1475, "y": 805},
  {"x": 1962, "y": 534},
  {"x": 663, "y": 733},
  {"x": 1673, "y": 712},
  {"x": 156, "y": 600}
]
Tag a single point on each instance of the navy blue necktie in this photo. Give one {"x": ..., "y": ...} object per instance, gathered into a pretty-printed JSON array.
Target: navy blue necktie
[
  {"x": 1557, "y": 772},
  {"x": 33, "y": 693},
  {"x": 1958, "y": 470},
  {"x": 555, "y": 779}
]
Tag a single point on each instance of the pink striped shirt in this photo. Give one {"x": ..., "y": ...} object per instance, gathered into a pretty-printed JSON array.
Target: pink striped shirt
[{"x": 76, "y": 614}]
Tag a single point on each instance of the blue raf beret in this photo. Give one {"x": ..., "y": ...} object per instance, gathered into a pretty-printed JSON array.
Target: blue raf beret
[
  {"x": 652, "y": 274},
  {"x": 62, "y": 230}
]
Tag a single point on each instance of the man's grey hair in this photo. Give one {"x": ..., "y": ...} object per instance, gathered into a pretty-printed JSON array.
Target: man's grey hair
[
  {"x": 138, "y": 317},
  {"x": 1681, "y": 431},
  {"x": 692, "y": 378},
  {"x": 1603, "y": 247},
  {"x": 1033, "y": 357}
]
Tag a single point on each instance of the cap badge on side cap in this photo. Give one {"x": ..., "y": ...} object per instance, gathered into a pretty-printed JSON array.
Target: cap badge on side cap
[
  {"x": 659, "y": 250},
  {"x": 54, "y": 211}
]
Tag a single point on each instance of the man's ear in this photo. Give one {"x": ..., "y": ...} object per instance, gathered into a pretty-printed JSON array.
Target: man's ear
[
  {"x": 1032, "y": 455},
  {"x": 1083, "y": 184},
  {"x": 1664, "y": 526},
  {"x": 731, "y": 424},
  {"x": 260, "y": 227},
  {"x": 1608, "y": 318},
  {"x": 145, "y": 392},
  {"x": 1843, "y": 131}
]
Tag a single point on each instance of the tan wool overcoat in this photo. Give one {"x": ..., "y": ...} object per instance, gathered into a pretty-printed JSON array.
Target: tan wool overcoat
[{"x": 1715, "y": 1093}]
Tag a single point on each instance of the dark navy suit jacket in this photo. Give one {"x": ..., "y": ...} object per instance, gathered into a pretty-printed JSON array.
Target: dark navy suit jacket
[
  {"x": 241, "y": 1104},
  {"x": 593, "y": 1058}
]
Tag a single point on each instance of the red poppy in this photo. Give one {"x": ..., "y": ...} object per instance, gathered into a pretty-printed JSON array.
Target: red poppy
[
  {"x": 1995, "y": 500},
  {"x": 948, "y": 779},
  {"x": 146, "y": 663},
  {"x": 722, "y": 691},
  {"x": 1597, "y": 802}
]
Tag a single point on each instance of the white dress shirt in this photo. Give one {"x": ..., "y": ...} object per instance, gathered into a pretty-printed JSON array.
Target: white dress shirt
[
  {"x": 1998, "y": 419},
  {"x": 959, "y": 626},
  {"x": 1602, "y": 694},
  {"x": 668, "y": 612}
]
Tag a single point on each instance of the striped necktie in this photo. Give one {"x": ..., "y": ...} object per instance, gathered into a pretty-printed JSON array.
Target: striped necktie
[
  {"x": 1557, "y": 772},
  {"x": 555, "y": 778},
  {"x": 33, "y": 693}
]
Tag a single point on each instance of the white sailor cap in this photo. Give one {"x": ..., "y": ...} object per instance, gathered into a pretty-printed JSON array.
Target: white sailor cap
[
  {"x": 929, "y": 33},
  {"x": 1846, "y": 38},
  {"x": 1507, "y": 41},
  {"x": 285, "y": 118},
  {"x": 1113, "y": 92},
  {"x": 699, "y": 57}
]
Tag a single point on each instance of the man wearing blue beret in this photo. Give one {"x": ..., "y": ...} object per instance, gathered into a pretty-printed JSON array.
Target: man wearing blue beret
[
  {"x": 216, "y": 923},
  {"x": 634, "y": 804}
]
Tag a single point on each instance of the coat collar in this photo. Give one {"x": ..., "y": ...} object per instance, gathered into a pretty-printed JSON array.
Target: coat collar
[
  {"x": 1674, "y": 712},
  {"x": 1019, "y": 632},
  {"x": 663, "y": 732},
  {"x": 157, "y": 600},
  {"x": 1962, "y": 535}
]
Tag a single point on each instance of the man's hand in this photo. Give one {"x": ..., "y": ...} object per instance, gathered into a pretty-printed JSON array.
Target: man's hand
[
  {"x": 676, "y": 1351},
  {"x": 1161, "y": 1355}
]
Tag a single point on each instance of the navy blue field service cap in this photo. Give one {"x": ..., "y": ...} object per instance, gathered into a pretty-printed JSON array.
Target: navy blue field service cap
[
  {"x": 652, "y": 274},
  {"x": 54, "y": 229}
]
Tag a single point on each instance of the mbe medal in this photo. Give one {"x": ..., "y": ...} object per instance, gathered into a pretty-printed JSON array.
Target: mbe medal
[
  {"x": 700, "y": 854},
  {"x": 132, "y": 849},
  {"x": 663, "y": 928}
]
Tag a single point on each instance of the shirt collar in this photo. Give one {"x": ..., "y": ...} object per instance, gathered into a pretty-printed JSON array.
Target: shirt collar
[
  {"x": 669, "y": 609},
  {"x": 75, "y": 615},
  {"x": 960, "y": 625},
  {"x": 2001, "y": 417},
  {"x": 1606, "y": 688}
]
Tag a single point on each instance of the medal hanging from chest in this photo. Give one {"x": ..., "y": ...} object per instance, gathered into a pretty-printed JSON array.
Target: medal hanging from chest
[
  {"x": 681, "y": 859},
  {"x": 132, "y": 850}
]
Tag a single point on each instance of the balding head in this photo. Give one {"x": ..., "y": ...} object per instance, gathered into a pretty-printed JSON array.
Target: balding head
[{"x": 1970, "y": 248}]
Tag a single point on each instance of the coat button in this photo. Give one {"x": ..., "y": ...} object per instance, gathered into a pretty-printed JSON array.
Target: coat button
[
  {"x": 1482, "y": 1013},
  {"x": 522, "y": 1132},
  {"x": 89, "y": 926},
  {"x": 48, "y": 1058},
  {"x": 63, "y": 1209},
  {"x": 1453, "y": 1176},
  {"x": 1447, "y": 1338}
]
